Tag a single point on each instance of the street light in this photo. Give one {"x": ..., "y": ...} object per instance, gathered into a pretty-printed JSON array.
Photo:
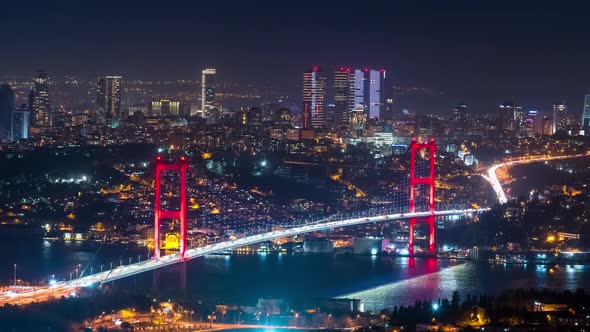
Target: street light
[{"x": 15, "y": 274}]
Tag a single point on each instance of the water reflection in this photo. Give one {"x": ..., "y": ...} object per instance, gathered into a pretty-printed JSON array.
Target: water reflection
[{"x": 473, "y": 278}]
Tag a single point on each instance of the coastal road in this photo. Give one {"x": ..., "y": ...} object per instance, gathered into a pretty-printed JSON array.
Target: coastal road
[{"x": 492, "y": 176}]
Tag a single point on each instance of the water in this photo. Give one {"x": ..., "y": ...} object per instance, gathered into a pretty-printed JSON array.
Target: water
[
  {"x": 242, "y": 279},
  {"x": 37, "y": 259}
]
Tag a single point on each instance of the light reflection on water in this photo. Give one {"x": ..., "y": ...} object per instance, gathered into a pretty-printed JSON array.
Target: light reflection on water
[
  {"x": 473, "y": 278},
  {"x": 381, "y": 281}
]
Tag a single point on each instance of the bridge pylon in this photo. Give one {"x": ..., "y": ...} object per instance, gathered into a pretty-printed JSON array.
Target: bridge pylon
[
  {"x": 429, "y": 181},
  {"x": 182, "y": 167}
]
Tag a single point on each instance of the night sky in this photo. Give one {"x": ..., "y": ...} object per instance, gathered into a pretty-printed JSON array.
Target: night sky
[{"x": 480, "y": 52}]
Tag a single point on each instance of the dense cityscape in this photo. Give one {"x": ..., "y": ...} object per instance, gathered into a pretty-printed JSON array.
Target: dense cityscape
[{"x": 344, "y": 197}]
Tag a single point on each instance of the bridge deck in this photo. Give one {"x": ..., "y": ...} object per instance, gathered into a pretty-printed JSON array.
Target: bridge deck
[{"x": 65, "y": 287}]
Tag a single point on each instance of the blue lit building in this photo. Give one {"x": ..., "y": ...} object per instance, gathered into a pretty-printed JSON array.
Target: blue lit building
[
  {"x": 20, "y": 124},
  {"x": 369, "y": 86},
  {"x": 586, "y": 114}
]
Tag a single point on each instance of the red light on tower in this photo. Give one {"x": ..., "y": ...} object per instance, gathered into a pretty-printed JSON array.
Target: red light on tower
[
  {"x": 341, "y": 68},
  {"x": 160, "y": 214},
  {"x": 315, "y": 68},
  {"x": 429, "y": 181}
]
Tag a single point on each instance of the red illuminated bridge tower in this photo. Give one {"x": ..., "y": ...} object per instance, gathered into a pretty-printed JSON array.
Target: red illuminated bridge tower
[
  {"x": 181, "y": 166},
  {"x": 429, "y": 180}
]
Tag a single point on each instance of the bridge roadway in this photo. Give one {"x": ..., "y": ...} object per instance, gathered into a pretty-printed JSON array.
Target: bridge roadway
[{"x": 65, "y": 288}]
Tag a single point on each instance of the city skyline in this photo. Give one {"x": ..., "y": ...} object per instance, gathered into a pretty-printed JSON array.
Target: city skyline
[
  {"x": 428, "y": 45},
  {"x": 385, "y": 166}
]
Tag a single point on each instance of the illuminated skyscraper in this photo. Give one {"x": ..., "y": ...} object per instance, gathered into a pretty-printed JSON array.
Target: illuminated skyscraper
[
  {"x": 6, "y": 108},
  {"x": 20, "y": 124},
  {"x": 506, "y": 117},
  {"x": 39, "y": 107},
  {"x": 208, "y": 90},
  {"x": 314, "y": 93},
  {"x": 369, "y": 85},
  {"x": 586, "y": 114},
  {"x": 343, "y": 95},
  {"x": 559, "y": 117},
  {"x": 108, "y": 100}
]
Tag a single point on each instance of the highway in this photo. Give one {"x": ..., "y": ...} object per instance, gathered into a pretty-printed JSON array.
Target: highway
[
  {"x": 492, "y": 177},
  {"x": 67, "y": 288}
]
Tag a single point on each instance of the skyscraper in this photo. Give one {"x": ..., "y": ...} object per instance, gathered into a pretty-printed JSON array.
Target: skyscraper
[
  {"x": 314, "y": 93},
  {"x": 39, "y": 107},
  {"x": 108, "y": 100},
  {"x": 208, "y": 90},
  {"x": 6, "y": 108},
  {"x": 506, "y": 117},
  {"x": 559, "y": 117},
  {"x": 369, "y": 85},
  {"x": 343, "y": 95},
  {"x": 20, "y": 124},
  {"x": 586, "y": 114},
  {"x": 462, "y": 118}
]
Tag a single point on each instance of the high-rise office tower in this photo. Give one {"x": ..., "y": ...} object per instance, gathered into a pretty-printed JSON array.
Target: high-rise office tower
[
  {"x": 208, "y": 90},
  {"x": 369, "y": 85},
  {"x": 462, "y": 119},
  {"x": 559, "y": 117},
  {"x": 20, "y": 124},
  {"x": 108, "y": 100},
  {"x": 6, "y": 108},
  {"x": 39, "y": 107},
  {"x": 314, "y": 93},
  {"x": 586, "y": 114},
  {"x": 343, "y": 95},
  {"x": 506, "y": 117},
  {"x": 533, "y": 123}
]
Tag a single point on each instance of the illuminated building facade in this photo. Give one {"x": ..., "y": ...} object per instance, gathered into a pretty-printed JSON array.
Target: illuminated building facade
[
  {"x": 586, "y": 114},
  {"x": 368, "y": 91},
  {"x": 314, "y": 94},
  {"x": 108, "y": 100},
  {"x": 559, "y": 117},
  {"x": 20, "y": 124},
  {"x": 208, "y": 100},
  {"x": 358, "y": 122},
  {"x": 39, "y": 107},
  {"x": 506, "y": 117},
  {"x": 164, "y": 107},
  {"x": 343, "y": 95}
]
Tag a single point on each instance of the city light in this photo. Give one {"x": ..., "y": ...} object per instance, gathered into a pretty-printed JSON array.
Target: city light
[{"x": 302, "y": 178}]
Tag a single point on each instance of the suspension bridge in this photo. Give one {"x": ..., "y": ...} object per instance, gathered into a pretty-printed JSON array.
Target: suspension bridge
[{"x": 341, "y": 220}]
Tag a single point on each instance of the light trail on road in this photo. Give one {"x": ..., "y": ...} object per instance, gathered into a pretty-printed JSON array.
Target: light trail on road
[
  {"x": 67, "y": 288},
  {"x": 492, "y": 177}
]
